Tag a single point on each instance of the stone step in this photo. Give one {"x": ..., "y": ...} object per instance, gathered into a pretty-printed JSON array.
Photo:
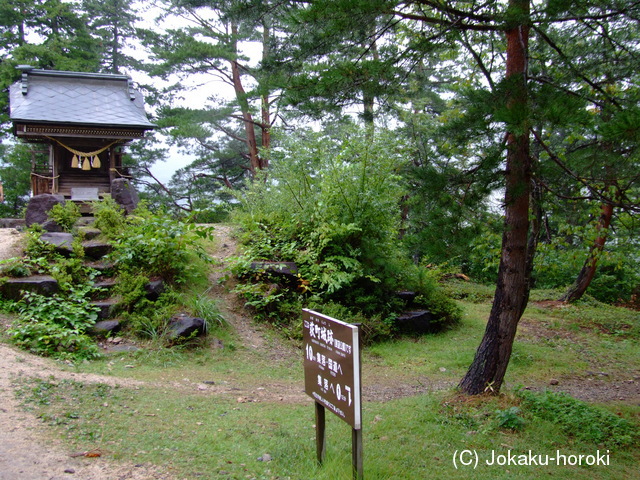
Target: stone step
[
  {"x": 95, "y": 250},
  {"x": 11, "y": 288},
  {"x": 106, "y": 284},
  {"x": 85, "y": 221},
  {"x": 415, "y": 322},
  {"x": 62, "y": 242},
  {"x": 108, "y": 307},
  {"x": 104, "y": 268},
  {"x": 89, "y": 233}
]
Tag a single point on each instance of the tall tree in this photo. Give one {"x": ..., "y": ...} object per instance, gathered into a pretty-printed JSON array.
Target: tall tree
[
  {"x": 15, "y": 168},
  {"x": 48, "y": 34},
  {"x": 209, "y": 48},
  {"x": 496, "y": 37},
  {"x": 512, "y": 290},
  {"x": 113, "y": 23}
]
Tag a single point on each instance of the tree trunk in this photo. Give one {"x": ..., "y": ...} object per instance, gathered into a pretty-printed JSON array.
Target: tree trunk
[
  {"x": 266, "y": 114},
  {"x": 115, "y": 60},
  {"x": 591, "y": 263},
  {"x": 486, "y": 373},
  {"x": 241, "y": 97}
]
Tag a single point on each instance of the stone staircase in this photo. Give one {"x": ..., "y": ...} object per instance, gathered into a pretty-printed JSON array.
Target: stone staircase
[{"x": 12, "y": 288}]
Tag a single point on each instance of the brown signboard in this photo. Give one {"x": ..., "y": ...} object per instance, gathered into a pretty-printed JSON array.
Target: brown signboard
[{"x": 332, "y": 365}]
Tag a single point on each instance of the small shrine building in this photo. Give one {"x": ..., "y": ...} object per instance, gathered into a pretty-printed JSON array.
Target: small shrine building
[{"x": 80, "y": 123}]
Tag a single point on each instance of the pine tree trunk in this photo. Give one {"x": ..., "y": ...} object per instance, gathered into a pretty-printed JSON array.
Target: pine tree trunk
[
  {"x": 486, "y": 373},
  {"x": 590, "y": 266},
  {"x": 241, "y": 97},
  {"x": 266, "y": 114}
]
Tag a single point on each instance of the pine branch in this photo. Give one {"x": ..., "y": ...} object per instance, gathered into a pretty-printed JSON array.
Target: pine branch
[
  {"x": 565, "y": 58},
  {"x": 456, "y": 24},
  {"x": 597, "y": 194},
  {"x": 615, "y": 14}
]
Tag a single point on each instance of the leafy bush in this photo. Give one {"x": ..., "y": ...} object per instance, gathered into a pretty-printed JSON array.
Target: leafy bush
[
  {"x": 36, "y": 248},
  {"x": 510, "y": 419},
  {"x": 157, "y": 245},
  {"x": 110, "y": 219},
  {"x": 130, "y": 288},
  {"x": 56, "y": 326},
  {"x": 65, "y": 215},
  {"x": 331, "y": 205},
  {"x": 69, "y": 272},
  {"x": 579, "y": 419},
  {"x": 425, "y": 281},
  {"x": 14, "y": 267}
]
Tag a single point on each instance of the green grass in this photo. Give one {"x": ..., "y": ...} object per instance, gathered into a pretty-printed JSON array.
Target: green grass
[{"x": 202, "y": 435}]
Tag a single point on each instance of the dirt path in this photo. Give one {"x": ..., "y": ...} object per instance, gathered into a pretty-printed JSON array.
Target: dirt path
[{"x": 27, "y": 449}]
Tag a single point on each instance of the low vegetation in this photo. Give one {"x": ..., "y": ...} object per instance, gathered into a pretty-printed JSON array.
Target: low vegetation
[
  {"x": 330, "y": 205},
  {"x": 145, "y": 246},
  {"x": 194, "y": 433}
]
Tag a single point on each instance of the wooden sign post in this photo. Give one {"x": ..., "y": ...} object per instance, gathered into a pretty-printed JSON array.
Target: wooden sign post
[{"x": 332, "y": 373}]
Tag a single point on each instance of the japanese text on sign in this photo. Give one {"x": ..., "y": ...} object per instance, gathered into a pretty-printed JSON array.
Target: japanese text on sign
[{"x": 332, "y": 365}]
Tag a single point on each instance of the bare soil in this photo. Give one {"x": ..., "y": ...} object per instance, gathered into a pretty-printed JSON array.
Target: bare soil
[{"x": 29, "y": 452}]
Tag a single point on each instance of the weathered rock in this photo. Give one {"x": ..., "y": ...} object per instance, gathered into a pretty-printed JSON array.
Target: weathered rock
[
  {"x": 154, "y": 289},
  {"x": 183, "y": 326},
  {"x": 284, "y": 273},
  {"x": 52, "y": 226},
  {"x": 280, "y": 268},
  {"x": 122, "y": 348},
  {"x": 89, "y": 233},
  {"x": 61, "y": 241},
  {"x": 105, "y": 327},
  {"x": 415, "y": 322},
  {"x": 95, "y": 250},
  {"x": 39, "y": 206},
  {"x": 106, "y": 285},
  {"x": 124, "y": 194},
  {"x": 103, "y": 267},
  {"x": 17, "y": 223},
  {"x": 11, "y": 288},
  {"x": 108, "y": 307},
  {"x": 85, "y": 221},
  {"x": 407, "y": 296}
]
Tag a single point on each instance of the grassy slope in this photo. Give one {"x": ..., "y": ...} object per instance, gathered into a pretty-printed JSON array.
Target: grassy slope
[{"x": 202, "y": 435}]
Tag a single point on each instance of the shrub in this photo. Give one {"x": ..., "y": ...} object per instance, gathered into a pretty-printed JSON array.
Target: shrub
[
  {"x": 510, "y": 419},
  {"x": 14, "y": 267},
  {"x": 156, "y": 245},
  {"x": 331, "y": 205},
  {"x": 36, "y": 248},
  {"x": 56, "y": 326},
  {"x": 65, "y": 215},
  {"x": 109, "y": 217}
]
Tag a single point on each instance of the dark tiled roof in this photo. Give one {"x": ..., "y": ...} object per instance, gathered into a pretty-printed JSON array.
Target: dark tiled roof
[{"x": 49, "y": 96}]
